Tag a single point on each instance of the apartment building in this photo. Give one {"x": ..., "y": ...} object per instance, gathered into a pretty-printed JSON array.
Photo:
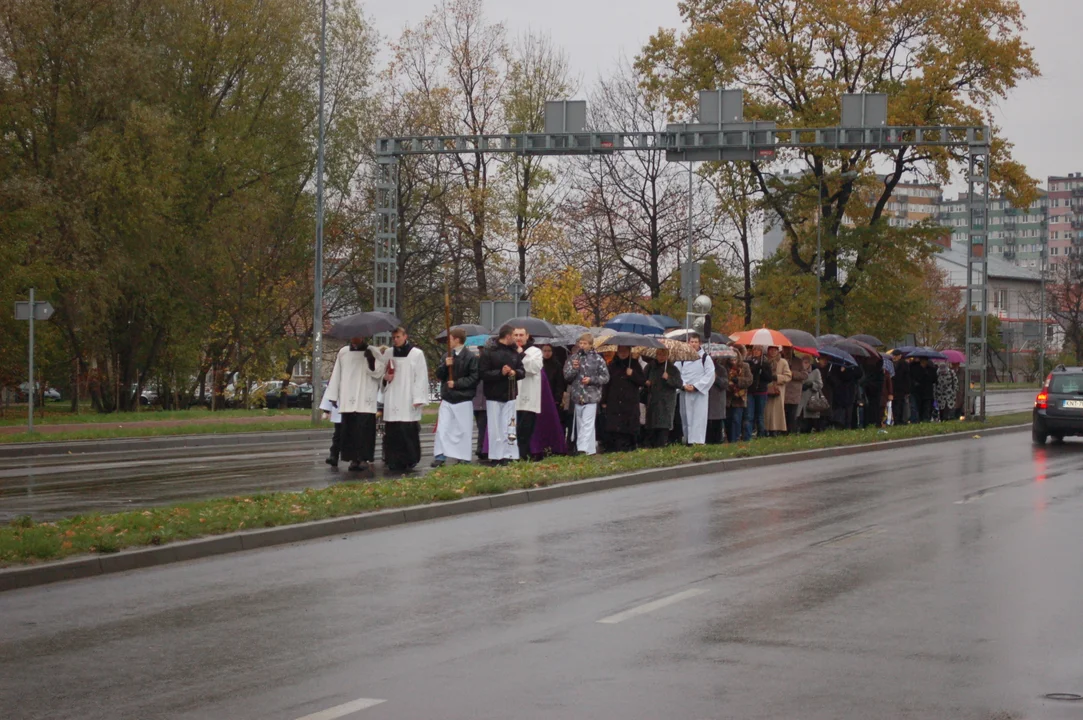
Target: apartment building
[
  {"x": 908, "y": 205},
  {"x": 1017, "y": 236},
  {"x": 1065, "y": 216}
]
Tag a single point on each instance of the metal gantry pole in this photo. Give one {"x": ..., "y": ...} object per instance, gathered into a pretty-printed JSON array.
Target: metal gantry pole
[
  {"x": 317, "y": 272},
  {"x": 1041, "y": 316},
  {"x": 819, "y": 248},
  {"x": 30, "y": 388},
  {"x": 691, "y": 291}
]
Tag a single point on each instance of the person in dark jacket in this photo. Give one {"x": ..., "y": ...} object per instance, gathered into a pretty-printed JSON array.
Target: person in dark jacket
[
  {"x": 843, "y": 382},
  {"x": 501, "y": 368},
  {"x": 873, "y": 384},
  {"x": 762, "y": 377},
  {"x": 620, "y": 400},
  {"x": 900, "y": 406},
  {"x": 923, "y": 388},
  {"x": 454, "y": 424},
  {"x": 663, "y": 382}
]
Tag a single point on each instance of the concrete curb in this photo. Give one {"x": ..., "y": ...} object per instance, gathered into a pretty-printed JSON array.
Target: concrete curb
[{"x": 23, "y": 577}]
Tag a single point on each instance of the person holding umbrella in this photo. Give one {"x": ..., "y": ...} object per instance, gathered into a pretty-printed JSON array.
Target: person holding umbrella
[
  {"x": 698, "y": 377},
  {"x": 900, "y": 406},
  {"x": 923, "y": 386},
  {"x": 947, "y": 388},
  {"x": 586, "y": 373},
  {"x": 792, "y": 394},
  {"x": 663, "y": 382},
  {"x": 620, "y": 400},
  {"x": 459, "y": 376},
  {"x": 352, "y": 390},
  {"x": 762, "y": 377},
  {"x": 739, "y": 376},
  {"x": 406, "y": 392},
  {"x": 775, "y": 411}
]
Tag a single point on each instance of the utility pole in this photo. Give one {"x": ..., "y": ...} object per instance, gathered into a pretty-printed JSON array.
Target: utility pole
[
  {"x": 317, "y": 273},
  {"x": 31, "y": 390}
]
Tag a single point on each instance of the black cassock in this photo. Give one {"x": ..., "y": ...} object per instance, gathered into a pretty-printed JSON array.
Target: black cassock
[{"x": 402, "y": 445}]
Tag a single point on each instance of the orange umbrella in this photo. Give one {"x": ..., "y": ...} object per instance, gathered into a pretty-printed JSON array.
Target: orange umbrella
[{"x": 763, "y": 336}]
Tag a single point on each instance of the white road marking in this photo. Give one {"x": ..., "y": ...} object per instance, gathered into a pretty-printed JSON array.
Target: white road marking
[
  {"x": 650, "y": 607},
  {"x": 344, "y": 709}
]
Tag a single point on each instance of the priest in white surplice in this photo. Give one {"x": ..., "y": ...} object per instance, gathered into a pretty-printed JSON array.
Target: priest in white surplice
[
  {"x": 405, "y": 394},
  {"x": 698, "y": 376},
  {"x": 352, "y": 391},
  {"x": 458, "y": 376}
]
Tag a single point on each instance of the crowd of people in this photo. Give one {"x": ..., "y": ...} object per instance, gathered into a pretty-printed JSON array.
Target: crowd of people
[{"x": 528, "y": 401}]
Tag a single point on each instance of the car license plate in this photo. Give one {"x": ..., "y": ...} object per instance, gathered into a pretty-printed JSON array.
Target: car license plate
[{"x": 1078, "y": 404}]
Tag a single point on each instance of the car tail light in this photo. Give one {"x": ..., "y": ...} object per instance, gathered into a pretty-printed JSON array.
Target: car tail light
[
  {"x": 1042, "y": 401},
  {"x": 1045, "y": 385}
]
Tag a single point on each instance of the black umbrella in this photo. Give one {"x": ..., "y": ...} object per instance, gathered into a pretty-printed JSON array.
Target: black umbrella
[
  {"x": 800, "y": 338},
  {"x": 867, "y": 339},
  {"x": 828, "y": 339},
  {"x": 855, "y": 349},
  {"x": 632, "y": 340},
  {"x": 365, "y": 324},
  {"x": 839, "y": 357},
  {"x": 470, "y": 329},
  {"x": 927, "y": 353},
  {"x": 535, "y": 327}
]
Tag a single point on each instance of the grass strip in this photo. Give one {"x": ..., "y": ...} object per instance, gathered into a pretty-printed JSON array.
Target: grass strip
[{"x": 25, "y": 541}]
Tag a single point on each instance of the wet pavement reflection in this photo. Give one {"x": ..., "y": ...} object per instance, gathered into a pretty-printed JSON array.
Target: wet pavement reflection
[{"x": 931, "y": 582}]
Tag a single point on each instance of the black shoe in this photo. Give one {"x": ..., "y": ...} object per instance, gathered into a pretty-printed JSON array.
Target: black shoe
[
  {"x": 437, "y": 463},
  {"x": 331, "y": 460},
  {"x": 358, "y": 466}
]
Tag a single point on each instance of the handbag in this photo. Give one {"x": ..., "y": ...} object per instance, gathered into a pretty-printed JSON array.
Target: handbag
[{"x": 818, "y": 402}]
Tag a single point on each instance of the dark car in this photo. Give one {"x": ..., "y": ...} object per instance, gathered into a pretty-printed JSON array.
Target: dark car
[{"x": 1058, "y": 409}]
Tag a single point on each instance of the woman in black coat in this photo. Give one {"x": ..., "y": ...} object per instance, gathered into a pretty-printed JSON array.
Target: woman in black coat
[
  {"x": 620, "y": 399},
  {"x": 843, "y": 383}
]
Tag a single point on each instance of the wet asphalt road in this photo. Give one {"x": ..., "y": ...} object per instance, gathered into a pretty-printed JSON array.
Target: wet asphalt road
[
  {"x": 50, "y": 487},
  {"x": 935, "y": 582}
]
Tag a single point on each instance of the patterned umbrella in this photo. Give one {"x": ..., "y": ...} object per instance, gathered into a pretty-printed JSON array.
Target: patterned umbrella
[
  {"x": 763, "y": 336},
  {"x": 682, "y": 335},
  {"x": 889, "y": 365},
  {"x": 678, "y": 351},
  {"x": 718, "y": 350}
]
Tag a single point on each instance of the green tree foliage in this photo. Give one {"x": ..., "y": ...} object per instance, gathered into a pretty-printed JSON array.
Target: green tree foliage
[
  {"x": 158, "y": 164},
  {"x": 941, "y": 63}
]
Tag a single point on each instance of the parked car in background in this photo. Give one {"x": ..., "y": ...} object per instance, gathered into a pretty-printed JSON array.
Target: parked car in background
[
  {"x": 50, "y": 394},
  {"x": 292, "y": 396}
]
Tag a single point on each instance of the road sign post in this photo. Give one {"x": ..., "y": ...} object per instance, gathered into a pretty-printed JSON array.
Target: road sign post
[{"x": 32, "y": 311}]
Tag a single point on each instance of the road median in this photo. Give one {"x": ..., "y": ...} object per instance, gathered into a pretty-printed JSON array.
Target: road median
[{"x": 99, "y": 544}]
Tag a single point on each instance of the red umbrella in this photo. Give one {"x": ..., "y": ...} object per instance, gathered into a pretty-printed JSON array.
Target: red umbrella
[{"x": 807, "y": 351}]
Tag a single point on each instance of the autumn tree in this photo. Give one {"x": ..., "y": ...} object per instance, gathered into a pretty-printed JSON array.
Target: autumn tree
[
  {"x": 537, "y": 72},
  {"x": 641, "y": 200},
  {"x": 945, "y": 64}
]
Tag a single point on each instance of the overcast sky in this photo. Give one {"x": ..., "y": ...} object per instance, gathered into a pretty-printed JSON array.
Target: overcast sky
[{"x": 1043, "y": 117}]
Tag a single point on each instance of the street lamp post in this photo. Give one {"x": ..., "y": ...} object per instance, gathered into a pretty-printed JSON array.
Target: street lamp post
[{"x": 317, "y": 272}]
